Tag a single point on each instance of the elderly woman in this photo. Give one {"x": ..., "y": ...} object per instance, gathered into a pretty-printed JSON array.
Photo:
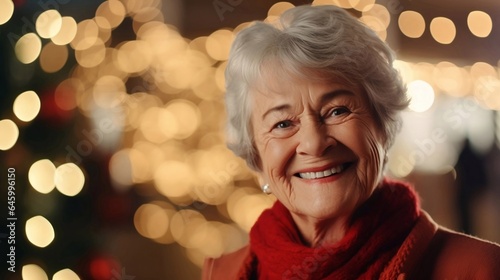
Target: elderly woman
[{"x": 313, "y": 103}]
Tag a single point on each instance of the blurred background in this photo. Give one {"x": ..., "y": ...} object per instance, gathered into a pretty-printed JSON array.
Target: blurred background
[{"x": 112, "y": 120}]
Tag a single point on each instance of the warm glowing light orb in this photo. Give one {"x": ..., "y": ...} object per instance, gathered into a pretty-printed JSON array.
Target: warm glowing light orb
[
  {"x": 411, "y": 24},
  {"x": 65, "y": 274},
  {"x": 69, "y": 179},
  {"x": 67, "y": 32},
  {"x": 33, "y": 272},
  {"x": 28, "y": 48},
  {"x": 6, "y": 10},
  {"x": 39, "y": 231},
  {"x": 443, "y": 30},
  {"x": 9, "y": 132},
  {"x": 479, "y": 23},
  {"x": 421, "y": 94},
  {"x": 48, "y": 24},
  {"x": 41, "y": 176},
  {"x": 27, "y": 106}
]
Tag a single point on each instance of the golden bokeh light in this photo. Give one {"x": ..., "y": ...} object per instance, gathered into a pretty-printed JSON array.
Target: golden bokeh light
[
  {"x": 140, "y": 166},
  {"x": 411, "y": 24},
  {"x": 135, "y": 6},
  {"x": 421, "y": 96},
  {"x": 134, "y": 56},
  {"x": 48, "y": 23},
  {"x": 186, "y": 119},
  {"x": 380, "y": 13},
  {"x": 91, "y": 56},
  {"x": 377, "y": 25},
  {"x": 155, "y": 156},
  {"x": 486, "y": 90},
  {"x": 220, "y": 79},
  {"x": 216, "y": 168},
  {"x": 152, "y": 127},
  {"x": 248, "y": 208},
  {"x": 151, "y": 220},
  {"x": 67, "y": 32},
  {"x": 184, "y": 225},
  {"x": 405, "y": 69},
  {"x": 482, "y": 69},
  {"x": 234, "y": 237},
  {"x": 178, "y": 72},
  {"x": 33, "y": 272},
  {"x": 174, "y": 179},
  {"x": 65, "y": 93},
  {"x": 208, "y": 239},
  {"x": 39, "y": 231},
  {"x": 28, "y": 48},
  {"x": 443, "y": 30},
  {"x": 108, "y": 91},
  {"x": 105, "y": 34},
  {"x": 236, "y": 210},
  {"x": 195, "y": 256},
  {"x": 241, "y": 26},
  {"x": 346, "y": 4},
  {"x": 479, "y": 23},
  {"x": 207, "y": 86},
  {"x": 27, "y": 106},
  {"x": 424, "y": 71},
  {"x": 199, "y": 44},
  {"x": 395, "y": 167},
  {"x": 86, "y": 35},
  {"x": 361, "y": 5},
  {"x": 120, "y": 169},
  {"x": 136, "y": 104},
  {"x": 41, "y": 176},
  {"x": 110, "y": 14},
  {"x": 65, "y": 274},
  {"x": 6, "y": 10},
  {"x": 278, "y": 8},
  {"x": 10, "y": 134},
  {"x": 53, "y": 57},
  {"x": 452, "y": 79},
  {"x": 218, "y": 44},
  {"x": 69, "y": 179},
  {"x": 148, "y": 14}
]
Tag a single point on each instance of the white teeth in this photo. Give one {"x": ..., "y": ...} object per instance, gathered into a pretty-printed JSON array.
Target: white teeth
[{"x": 321, "y": 174}]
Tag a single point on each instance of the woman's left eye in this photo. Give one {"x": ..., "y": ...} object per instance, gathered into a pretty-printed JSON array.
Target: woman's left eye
[{"x": 338, "y": 111}]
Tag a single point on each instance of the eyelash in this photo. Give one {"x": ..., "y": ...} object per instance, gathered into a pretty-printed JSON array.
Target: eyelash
[
  {"x": 343, "y": 110},
  {"x": 288, "y": 123},
  {"x": 337, "y": 111}
]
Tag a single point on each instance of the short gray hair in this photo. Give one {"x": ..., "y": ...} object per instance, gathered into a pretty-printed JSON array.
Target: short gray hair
[{"x": 326, "y": 40}]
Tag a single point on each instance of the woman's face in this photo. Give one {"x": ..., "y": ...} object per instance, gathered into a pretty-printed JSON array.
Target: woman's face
[{"x": 320, "y": 147}]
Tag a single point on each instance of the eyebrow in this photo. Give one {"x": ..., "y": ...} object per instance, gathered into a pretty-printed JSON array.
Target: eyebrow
[{"x": 324, "y": 99}]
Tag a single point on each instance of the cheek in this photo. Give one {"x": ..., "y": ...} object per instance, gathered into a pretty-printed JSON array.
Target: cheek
[
  {"x": 276, "y": 153},
  {"x": 366, "y": 142}
]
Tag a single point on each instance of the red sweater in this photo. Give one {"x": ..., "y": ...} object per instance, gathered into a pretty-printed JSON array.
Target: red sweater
[{"x": 429, "y": 252}]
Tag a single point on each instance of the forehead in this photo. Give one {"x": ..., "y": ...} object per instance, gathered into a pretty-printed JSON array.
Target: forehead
[
  {"x": 278, "y": 74},
  {"x": 282, "y": 84}
]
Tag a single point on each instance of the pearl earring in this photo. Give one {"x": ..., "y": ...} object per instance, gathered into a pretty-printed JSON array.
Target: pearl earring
[{"x": 266, "y": 189}]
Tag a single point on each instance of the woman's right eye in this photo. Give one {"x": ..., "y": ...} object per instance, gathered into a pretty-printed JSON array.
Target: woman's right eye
[{"x": 283, "y": 124}]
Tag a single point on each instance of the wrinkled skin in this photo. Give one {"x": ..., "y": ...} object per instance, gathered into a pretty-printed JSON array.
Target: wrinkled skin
[{"x": 303, "y": 126}]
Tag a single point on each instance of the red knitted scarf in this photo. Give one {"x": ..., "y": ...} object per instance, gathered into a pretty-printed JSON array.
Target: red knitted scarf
[{"x": 376, "y": 231}]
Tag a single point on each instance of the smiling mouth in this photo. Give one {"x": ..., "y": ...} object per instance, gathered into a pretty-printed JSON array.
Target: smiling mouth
[{"x": 322, "y": 174}]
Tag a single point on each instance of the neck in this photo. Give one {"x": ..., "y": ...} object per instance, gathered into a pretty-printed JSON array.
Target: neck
[{"x": 317, "y": 232}]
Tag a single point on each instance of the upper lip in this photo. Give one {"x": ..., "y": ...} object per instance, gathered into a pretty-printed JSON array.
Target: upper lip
[{"x": 319, "y": 168}]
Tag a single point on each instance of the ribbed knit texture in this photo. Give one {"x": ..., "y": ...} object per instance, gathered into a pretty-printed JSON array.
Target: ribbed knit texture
[{"x": 375, "y": 232}]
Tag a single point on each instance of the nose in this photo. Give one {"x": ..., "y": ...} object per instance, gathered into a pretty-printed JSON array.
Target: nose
[{"x": 314, "y": 139}]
